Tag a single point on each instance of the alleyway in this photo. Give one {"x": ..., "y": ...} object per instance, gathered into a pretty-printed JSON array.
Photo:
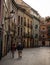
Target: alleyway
[{"x": 32, "y": 56}]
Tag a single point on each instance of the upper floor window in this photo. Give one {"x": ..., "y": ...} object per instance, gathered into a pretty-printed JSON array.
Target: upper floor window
[
  {"x": 5, "y": 25},
  {"x": 21, "y": 20},
  {"x": 18, "y": 20},
  {"x": 43, "y": 35},
  {"x": 28, "y": 23},
  {"x": 24, "y": 20},
  {"x": 21, "y": 31},
  {"x": 36, "y": 35},
  {"x": 31, "y": 24},
  {"x": 36, "y": 26},
  {"x": 18, "y": 30}
]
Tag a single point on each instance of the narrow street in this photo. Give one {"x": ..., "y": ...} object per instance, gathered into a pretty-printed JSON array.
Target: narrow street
[{"x": 31, "y": 56}]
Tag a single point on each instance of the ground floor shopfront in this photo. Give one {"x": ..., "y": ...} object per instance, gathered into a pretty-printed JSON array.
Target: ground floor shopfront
[
  {"x": 44, "y": 43},
  {"x": 27, "y": 42}
]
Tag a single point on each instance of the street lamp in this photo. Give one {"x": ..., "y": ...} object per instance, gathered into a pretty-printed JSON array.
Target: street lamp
[{"x": 8, "y": 32}]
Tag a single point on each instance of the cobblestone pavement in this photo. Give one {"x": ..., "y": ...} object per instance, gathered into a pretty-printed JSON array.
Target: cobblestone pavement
[{"x": 31, "y": 56}]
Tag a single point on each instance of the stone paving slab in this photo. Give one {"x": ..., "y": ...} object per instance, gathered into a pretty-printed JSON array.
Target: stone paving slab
[{"x": 31, "y": 56}]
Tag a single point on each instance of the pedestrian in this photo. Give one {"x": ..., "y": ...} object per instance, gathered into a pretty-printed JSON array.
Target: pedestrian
[
  {"x": 13, "y": 47},
  {"x": 19, "y": 48}
]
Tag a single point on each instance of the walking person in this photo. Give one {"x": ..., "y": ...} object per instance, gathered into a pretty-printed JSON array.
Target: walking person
[
  {"x": 19, "y": 48},
  {"x": 13, "y": 49}
]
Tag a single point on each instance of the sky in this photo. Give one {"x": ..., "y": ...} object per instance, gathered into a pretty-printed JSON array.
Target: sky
[{"x": 42, "y": 6}]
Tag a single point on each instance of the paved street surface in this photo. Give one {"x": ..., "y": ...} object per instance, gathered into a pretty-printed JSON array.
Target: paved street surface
[{"x": 32, "y": 56}]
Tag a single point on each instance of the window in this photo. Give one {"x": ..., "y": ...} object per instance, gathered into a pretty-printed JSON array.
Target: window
[
  {"x": 48, "y": 30},
  {"x": 36, "y": 35},
  {"x": 43, "y": 28},
  {"x": 43, "y": 35},
  {"x": 18, "y": 30},
  {"x": 24, "y": 31},
  {"x": 28, "y": 23},
  {"x": 5, "y": 25},
  {"x": 12, "y": 24},
  {"x": 24, "y": 20},
  {"x": 31, "y": 24},
  {"x": 21, "y": 31},
  {"x": 21, "y": 20},
  {"x": 36, "y": 26},
  {"x": 18, "y": 20}
]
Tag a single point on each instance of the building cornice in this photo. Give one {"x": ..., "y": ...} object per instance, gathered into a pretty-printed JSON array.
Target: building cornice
[
  {"x": 36, "y": 18},
  {"x": 22, "y": 9},
  {"x": 32, "y": 8}
]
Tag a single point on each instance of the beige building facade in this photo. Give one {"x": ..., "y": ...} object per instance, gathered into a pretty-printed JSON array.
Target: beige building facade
[{"x": 24, "y": 26}]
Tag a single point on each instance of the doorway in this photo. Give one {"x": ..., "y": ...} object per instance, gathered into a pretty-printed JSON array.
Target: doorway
[{"x": 43, "y": 43}]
